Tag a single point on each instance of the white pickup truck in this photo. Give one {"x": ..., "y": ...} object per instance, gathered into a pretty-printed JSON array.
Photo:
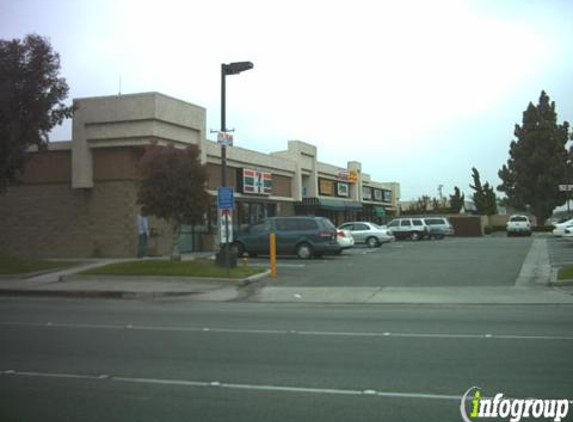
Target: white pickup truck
[{"x": 518, "y": 225}]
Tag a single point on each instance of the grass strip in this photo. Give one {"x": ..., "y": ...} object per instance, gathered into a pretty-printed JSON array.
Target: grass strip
[
  {"x": 160, "y": 267},
  {"x": 17, "y": 265},
  {"x": 565, "y": 273}
]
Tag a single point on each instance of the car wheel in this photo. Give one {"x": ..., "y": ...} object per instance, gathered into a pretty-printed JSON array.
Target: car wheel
[
  {"x": 371, "y": 242},
  {"x": 304, "y": 251},
  {"x": 415, "y": 236},
  {"x": 238, "y": 249}
]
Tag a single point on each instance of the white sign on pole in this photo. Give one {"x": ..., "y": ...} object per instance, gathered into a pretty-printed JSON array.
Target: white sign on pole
[
  {"x": 225, "y": 226},
  {"x": 566, "y": 188},
  {"x": 225, "y": 138}
]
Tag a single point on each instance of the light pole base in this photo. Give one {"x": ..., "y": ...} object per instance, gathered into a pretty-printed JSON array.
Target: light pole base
[{"x": 221, "y": 261}]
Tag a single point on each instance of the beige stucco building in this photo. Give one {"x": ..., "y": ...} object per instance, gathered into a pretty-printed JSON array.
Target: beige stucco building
[{"x": 79, "y": 198}]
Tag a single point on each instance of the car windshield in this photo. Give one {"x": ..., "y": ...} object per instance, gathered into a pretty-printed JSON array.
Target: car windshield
[
  {"x": 518, "y": 218},
  {"x": 328, "y": 224}
]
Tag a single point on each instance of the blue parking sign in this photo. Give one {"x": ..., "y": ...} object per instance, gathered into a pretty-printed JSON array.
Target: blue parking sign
[{"x": 225, "y": 198}]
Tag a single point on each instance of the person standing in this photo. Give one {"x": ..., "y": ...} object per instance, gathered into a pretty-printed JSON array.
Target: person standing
[{"x": 143, "y": 231}]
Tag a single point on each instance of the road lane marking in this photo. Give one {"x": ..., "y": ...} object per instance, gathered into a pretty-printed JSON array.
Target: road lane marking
[
  {"x": 279, "y": 265},
  {"x": 233, "y": 386},
  {"x": 222, "y": 330}
]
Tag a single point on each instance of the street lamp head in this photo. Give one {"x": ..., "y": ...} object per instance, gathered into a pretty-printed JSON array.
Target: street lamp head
[{"x": 235, "y": 68}]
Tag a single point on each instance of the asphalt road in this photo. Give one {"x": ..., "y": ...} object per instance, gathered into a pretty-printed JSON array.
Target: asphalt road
[
  {"x": 170, "y": 360},
  {"x": 463, "y": 262}
]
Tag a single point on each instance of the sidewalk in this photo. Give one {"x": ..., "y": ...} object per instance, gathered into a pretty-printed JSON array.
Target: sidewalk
[{"x": 67, "y": 282}]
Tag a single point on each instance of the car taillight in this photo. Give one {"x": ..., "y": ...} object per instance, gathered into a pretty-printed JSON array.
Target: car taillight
[
  {"x": 341, "y": 233},
  {"x": 327, "y": 235}
]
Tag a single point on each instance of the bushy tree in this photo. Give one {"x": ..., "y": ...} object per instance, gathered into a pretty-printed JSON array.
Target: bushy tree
[
  {"x": 31, "y": 101},
  {"x": 484, "y": 196},
  {"x": 456, "y": 200},
  {"x": 172, "y": 186},
  {"x": 422, "y": 204},
  {"x": 537, "y": 162}
]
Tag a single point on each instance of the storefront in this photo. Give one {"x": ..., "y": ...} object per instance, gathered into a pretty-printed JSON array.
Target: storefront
[
  {"x": 89, "y": 184},
  {"x": 336, "y": 210},
  {"x": 376, "y": 204}
]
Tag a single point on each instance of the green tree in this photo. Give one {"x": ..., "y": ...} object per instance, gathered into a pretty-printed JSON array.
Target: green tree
[
  {"x": 31, "y": 101},
  {"x": 456, "y": 200},
  {"x": 537, "y": 161},
  {"x": 422, "y": 204},
  {"x": 172, "y": 186},
  {"x": 484, "y": 196}
]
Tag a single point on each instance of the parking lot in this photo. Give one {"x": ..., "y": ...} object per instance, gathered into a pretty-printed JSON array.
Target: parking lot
[
  {"x": 560, "y": 252},
  {"x": 463, "y": 262}
]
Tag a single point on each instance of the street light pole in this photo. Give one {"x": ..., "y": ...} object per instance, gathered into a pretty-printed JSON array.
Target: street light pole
[
  {"x": 568, "y": 170},
  {"x": 227, "y": 69},
  {"x": 225, "y": 248}
]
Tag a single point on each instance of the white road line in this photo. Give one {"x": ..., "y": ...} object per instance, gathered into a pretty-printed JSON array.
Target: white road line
[
  {"x": 234, "y": 386},
  {"x": 223, "y": 330}
]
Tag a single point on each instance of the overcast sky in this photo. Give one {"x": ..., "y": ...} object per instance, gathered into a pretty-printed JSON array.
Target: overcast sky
[{"x": 418, "y": 91}]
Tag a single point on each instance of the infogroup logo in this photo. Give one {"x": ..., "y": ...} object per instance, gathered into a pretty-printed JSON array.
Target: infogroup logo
[{"x": 514, "y": 409}]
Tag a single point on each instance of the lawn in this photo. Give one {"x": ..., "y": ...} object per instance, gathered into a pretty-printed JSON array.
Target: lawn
[
  {"x": 160, "y": 267},
  {"x": 565, "y": 273},
  {"x": 16, "y": 265}
]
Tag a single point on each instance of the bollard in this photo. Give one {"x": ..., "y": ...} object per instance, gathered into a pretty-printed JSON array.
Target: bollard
[{"x": 273, "y": 254}]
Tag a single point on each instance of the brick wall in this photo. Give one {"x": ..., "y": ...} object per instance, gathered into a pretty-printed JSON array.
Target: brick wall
[{"x": 54, "y": 220}]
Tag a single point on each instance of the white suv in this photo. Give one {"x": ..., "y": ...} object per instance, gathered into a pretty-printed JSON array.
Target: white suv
[
  {"x": 518, "y": 224},
  {"x": 440, "y": 227},
  {"x": 409, "y": 228}
]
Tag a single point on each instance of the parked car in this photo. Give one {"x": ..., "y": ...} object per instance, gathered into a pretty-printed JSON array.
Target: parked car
[
  {"x": 409, "y": 228},
  {"x": 369, "y": 233},
  {"x": 305, "y": 237},
  {"x": 345, "y": 239},
  {"x": 440, "y": 227},
  {"x": 560, "y": 228},
  {"x": 518, "y": 225},
  {"x": 568, "y": 233}
]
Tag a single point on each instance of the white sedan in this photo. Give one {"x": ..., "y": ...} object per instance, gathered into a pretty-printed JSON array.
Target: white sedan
[
  {"x": 366, "y": 232},
  {"x": 344, "y": 239},
  {"x": 560, "y": 228}
]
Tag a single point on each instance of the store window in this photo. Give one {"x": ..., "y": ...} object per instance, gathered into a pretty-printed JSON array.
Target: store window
[{"x": 248, "y": 213}]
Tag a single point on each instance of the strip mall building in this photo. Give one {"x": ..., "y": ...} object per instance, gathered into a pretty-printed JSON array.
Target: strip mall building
[{"x": 79, "y": 198}]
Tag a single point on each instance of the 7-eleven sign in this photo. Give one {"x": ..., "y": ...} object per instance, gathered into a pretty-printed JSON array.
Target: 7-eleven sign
[{"x": 257, "y": 182}]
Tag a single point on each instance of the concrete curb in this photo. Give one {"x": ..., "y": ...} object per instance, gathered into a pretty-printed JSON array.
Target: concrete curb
[
  {"x": 148, "y": 279},
  {"x": 27, "y": 276},
  {"x": 131, "y": 294},
  {"x": 255, "y": 278},
  {"x": 554, "y": 282}
]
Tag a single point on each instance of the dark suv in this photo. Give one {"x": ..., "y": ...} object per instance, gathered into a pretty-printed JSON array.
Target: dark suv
[{"x": 302, "y": 236}]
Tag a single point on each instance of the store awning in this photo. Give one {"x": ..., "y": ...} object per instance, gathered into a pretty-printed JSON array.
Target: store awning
[
  {"x": 353, "y": 206},
  {"x": 329, "y": 204},
  {"x": 379, "y": 210}
]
